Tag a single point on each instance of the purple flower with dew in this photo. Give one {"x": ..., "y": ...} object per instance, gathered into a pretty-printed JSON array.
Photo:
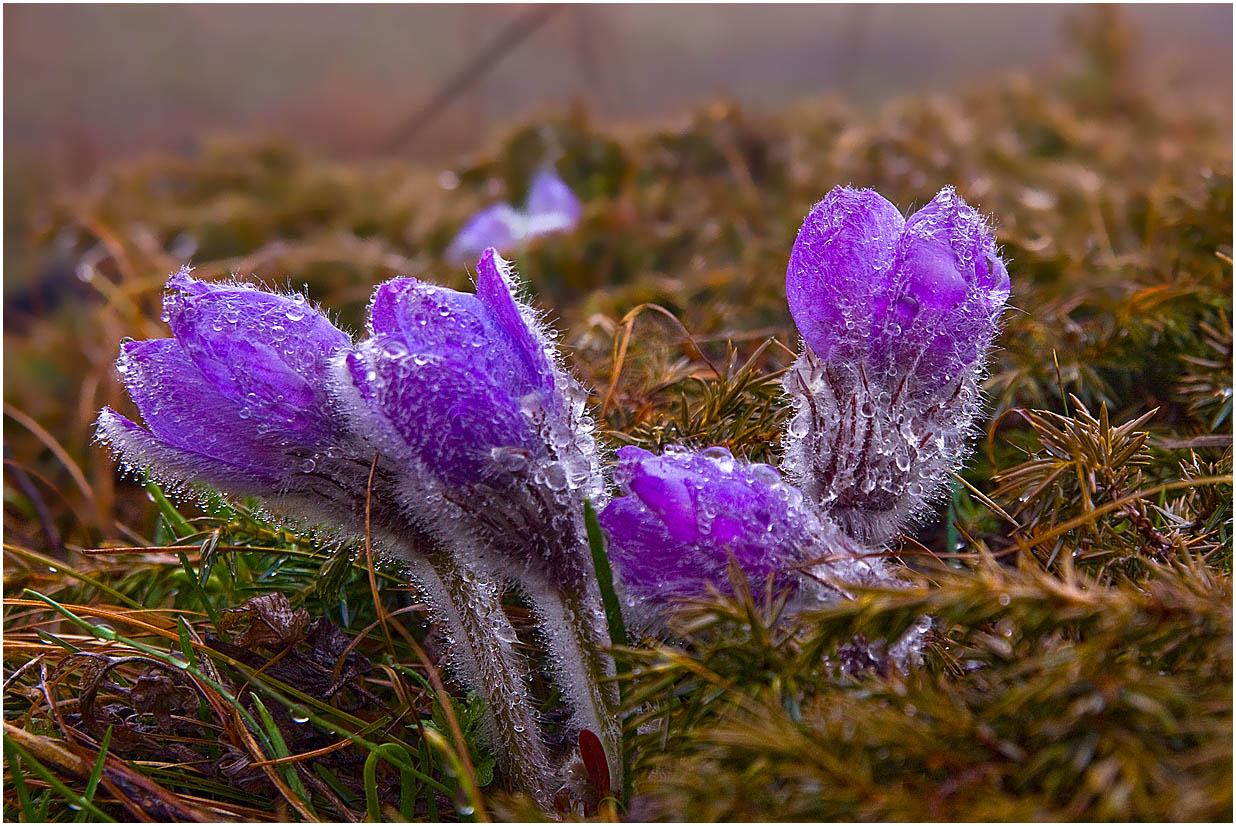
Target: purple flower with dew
[
  {"x": 236, "y": 398},
  {"x": 897, "y": 316},
  {"x": 244, "y": 397},
  {"x": 686, "y": 514},
  {"x": 465, "y": 391},
  {"x": 550, "y": 208}
]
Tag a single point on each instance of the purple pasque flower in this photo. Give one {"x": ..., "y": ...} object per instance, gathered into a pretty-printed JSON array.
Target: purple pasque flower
[
  {"x": 465, "y": 388},
  {"x": 550, "y": 208},
  {"x": 465, "y": 392},
  {"x": 921, "y": 295},
  {"x": 897, "y": 316},
  {"x": 237, "y": 397},
  {"x": 685, "y": 514}
]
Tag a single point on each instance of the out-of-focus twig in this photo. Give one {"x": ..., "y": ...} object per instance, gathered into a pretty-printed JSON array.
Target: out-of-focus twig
[{"x": 482, "y": 62}]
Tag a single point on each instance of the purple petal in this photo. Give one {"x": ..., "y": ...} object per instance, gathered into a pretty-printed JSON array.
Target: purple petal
[
  {"x": 425, "y": 318},
  {"x": 182, "y": 408},
  {"x": 171, "y": 464},
  {"x": 266, "y": 352},
  {"x": 662, "y": 487},
  {"x": 845, "y": 248},
  {"x": 500, "y": 226},
  {"x": 941, "y": 301},
  {"x": 495, "y": 290},
  {"x": 449, "y": 414},
  {"x": 551, "y": 205}
]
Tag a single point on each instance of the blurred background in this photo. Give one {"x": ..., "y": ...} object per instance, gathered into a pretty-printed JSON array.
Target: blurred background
[{"x": 86, "y": 84}]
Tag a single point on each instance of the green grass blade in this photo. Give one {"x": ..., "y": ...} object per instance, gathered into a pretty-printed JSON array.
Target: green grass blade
[
  {"x": 96, "y": 773},
  {"x": 19, "y": 782},
  {"x": 953, "y": 537},
  {"x": 407, "y": 782},
  {"x": 198, "y": 591},
  {"x": 613, "y": 616},
  {"x": 179, "y": 525},
  {"x": 605, "y": 577},
  {"x": 431, "y": 799},
  {"x": 50, "y": 779},
  {"x": 280, "y": 748},
  {"x": 186, "y": 642}
]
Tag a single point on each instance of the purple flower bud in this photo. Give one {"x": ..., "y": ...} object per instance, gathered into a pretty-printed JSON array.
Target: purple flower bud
[
  {"x": 464, "y": 393},
  {"x": 921, "y": 295},
  {"x": 550, "y": 208},
  {"x": 465, "y": 389},
  {"x": 897, "y": 316},
  {"x": 501, "y": 226},
  {"x": 237, "y": 397},
  {"x": 685, "y": 513}
]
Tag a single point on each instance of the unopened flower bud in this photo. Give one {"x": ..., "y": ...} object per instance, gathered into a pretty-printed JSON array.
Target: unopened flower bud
[{"x": 897, "y": 316}]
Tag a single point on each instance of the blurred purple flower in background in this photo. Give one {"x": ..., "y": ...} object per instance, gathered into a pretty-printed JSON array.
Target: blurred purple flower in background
[
  {"x": 686, "y": 514},
  {"x": 897, "y": 316},
  {"x": 550, "y": 208}
]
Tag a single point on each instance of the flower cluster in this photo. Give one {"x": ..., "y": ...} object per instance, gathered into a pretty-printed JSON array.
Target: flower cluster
[
  {"x": 450, "y": 426},
  {"x": 453, "y": 438}
]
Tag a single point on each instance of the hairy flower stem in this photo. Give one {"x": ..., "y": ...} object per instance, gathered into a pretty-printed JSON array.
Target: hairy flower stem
[
  {"x": 466, "y": 605},
  {"x": 576, "y": 634}
]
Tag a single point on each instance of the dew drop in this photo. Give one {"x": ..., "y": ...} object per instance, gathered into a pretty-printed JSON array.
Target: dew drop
[{"x": 765, "y": 474}]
